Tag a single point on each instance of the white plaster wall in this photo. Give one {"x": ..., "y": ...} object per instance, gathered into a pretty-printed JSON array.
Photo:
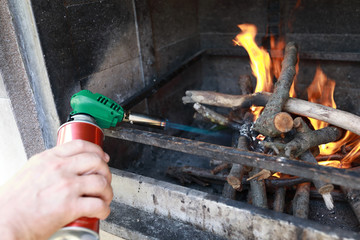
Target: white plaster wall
[{"x": 12, "y": 151}]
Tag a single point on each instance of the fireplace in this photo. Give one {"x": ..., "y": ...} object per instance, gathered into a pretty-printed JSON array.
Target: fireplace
[{"x": 146, "y": 54}]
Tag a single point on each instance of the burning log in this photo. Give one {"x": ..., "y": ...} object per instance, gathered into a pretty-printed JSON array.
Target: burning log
[
  {"x": 300, "y": 107},
  {"x": 306, "y": 140},
  {"x": 272, "y": 122},
  {"x": 301, "y": 200},
  {"x": 279, "y": 202}
]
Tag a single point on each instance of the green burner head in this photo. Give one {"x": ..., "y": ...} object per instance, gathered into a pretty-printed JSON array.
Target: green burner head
[{"x": 106, "y": 112}]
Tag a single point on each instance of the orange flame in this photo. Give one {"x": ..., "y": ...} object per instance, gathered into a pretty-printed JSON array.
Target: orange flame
[
  {"x": 321, "y": 91},
  {"x": 259, "y": 60}
]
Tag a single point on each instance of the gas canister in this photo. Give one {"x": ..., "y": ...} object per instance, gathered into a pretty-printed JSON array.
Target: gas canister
[{"x": 80, "y": 126}]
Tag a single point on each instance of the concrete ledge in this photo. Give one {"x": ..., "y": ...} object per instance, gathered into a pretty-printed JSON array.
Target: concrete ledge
[
  {"x": 131, "y": 223},
  {"x": 214, "y": 214}
]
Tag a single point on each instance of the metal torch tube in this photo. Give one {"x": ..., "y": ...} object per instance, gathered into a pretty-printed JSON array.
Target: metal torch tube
[{"x": 145, "y": 120}]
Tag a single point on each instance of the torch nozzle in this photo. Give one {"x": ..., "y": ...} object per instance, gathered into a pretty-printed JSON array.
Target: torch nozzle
[{"x": 142, "y": 119}]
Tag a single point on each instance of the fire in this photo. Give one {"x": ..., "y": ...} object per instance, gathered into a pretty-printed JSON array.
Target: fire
[
  {"x": 259, "y": 60},
  {"x": 321, "y": 91},
  {"x": 259, "y": 57}
]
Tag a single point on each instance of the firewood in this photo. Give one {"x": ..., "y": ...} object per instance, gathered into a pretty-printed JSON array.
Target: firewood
[
  {"x": 272, "y": 121},
  {"x": 279, "y": 202},
  {"x": 329, "y": 157},
  {"x": 220, "y": 167},
  {"x": 237, "y": 171},
  {"x": 301, "y": 200},
  {"x": 215, "y": 117},
  {"x": 261, "y": 175},
  {"x": 323, "y": 188},
  {"x": 304, "y": 141},
  {"x": 284, "y": 182},
  {"x": 258, "y": 191},
  {"x": 300, "y": 107},
  {"x": 228, "y": 191}
]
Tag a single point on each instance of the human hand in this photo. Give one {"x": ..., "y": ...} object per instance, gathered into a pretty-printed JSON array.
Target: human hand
[{"x": 54, "y": 188}]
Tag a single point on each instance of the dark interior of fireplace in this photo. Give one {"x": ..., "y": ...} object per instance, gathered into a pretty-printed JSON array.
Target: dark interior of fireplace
[{"x": 146, "y": 54}]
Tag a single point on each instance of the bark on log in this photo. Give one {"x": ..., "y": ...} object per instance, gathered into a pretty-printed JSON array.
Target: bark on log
[
  {"x": 272, "y": 121},
  {"x": 301, "y": 200},
  {"x": 220, "y": 167},
  {"x": 215, "y": 117},
  {"x": 305, "y": 140},
  {"x": 280, "y": 182},
  {"x": 237, "y": 171},
  {"x": 297, "y": 106},
  {"x": 323, "y": 188},
  {"x": 258, "y": 191},
  {"x": 228, "y": 191},
  {"x": 279, "y": 202}
]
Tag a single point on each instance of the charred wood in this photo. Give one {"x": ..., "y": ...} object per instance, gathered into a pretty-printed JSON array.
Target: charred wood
[{"x": 344, "y": 177}]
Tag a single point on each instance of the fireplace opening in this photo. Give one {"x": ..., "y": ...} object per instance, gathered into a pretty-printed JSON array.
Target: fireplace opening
[{"x": 146, "y": 55}]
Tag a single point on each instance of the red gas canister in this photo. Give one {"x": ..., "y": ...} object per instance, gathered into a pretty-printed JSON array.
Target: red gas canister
[{"x": 80, "y": 126}]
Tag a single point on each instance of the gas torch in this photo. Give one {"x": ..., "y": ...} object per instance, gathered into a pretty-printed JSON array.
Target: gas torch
[{"x": 91, "y": 113}]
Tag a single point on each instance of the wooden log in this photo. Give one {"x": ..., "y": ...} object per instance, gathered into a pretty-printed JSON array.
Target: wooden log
[
  {"x": 301, "y": 200},
  {"x": 228, "y": 191},
  {"x": 237, "y": 171},
  {"x": 344, "y": 177},
  {"x": 272, "y": 121},
  {"x": 215, "y": 117},
  {"x": 304, "y": 141},
  {"x": 258, "y": 191},
  {"x": 280, "y": 182},
  {"x": 323, "y": 188},
  {"x": 279, "y": 201},
  {"x": 220, "y": 167},
  {"x": 297, "y": 106}
]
